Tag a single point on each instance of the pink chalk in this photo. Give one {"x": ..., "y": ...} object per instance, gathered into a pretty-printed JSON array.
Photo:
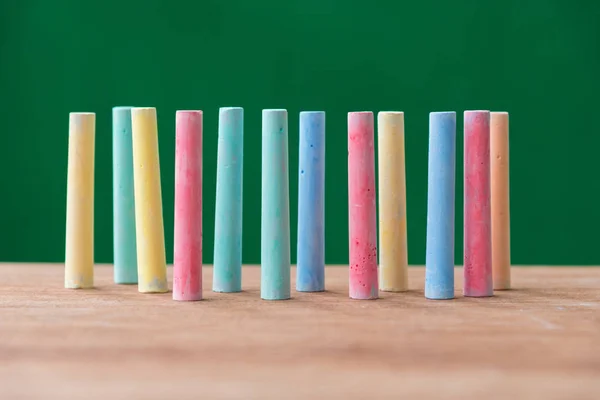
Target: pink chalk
[
  {"x": 361, "y": 203},
  {"x": 477, "y": 211},
  {"x": 187, "y": 265}
]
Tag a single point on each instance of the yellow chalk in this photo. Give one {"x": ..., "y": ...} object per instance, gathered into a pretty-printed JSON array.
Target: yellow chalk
[
  {"x": 150, "y": 236},
  {"x": 393, "y": 253},
  {"x": 79, "y": 248},
  {"x": 500, "y": 202}
]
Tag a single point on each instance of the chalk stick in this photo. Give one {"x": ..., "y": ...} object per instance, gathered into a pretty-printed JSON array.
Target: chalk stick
[
  {"x": 227, "y": 272},
  {"x": 439, "y": 259},
  {"x": 187, "y": 245},
  {"x": 79, "y": 249},
  {"x": 362, "y": 208},
  {"x": 150, "y": 235},
  {"x": 500, "y": 200},
  {"x": 477, "y": 211},
  {"x": 124, "y": 250},
  {"x": 310, "y": 271},
  {"x": 275, "y": 219},
  {"x": 393, "y": 252}
]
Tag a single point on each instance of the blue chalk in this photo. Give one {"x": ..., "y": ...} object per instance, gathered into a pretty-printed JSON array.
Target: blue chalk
[
  {"x": 275, "y": 217},
  {"x": 439, "y": 260},
  {"x": 310, "y": 273},
  {"x": 227, "y": 273}
]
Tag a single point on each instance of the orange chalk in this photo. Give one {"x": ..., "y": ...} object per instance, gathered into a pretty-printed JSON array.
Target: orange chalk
[{"x": 500, "y": 200}]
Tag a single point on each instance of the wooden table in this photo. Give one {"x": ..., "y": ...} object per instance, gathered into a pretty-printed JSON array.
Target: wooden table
[{"x": 541, "y": 340}]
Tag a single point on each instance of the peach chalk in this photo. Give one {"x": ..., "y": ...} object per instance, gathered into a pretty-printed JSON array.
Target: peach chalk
[{"x": 500, "y": 199}]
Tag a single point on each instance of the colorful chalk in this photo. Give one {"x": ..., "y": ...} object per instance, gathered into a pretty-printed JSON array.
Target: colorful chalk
[
  {"x": 124, "y": 247},
  {"x": 275, "y": 220},
  {"x": 310, "y": 272},
  {"x": 362, "y": 208},
  {"x": 477, "y": 213},
  {"x": 393, "y": 252},
  {"x": 439, "y": 259},
  {"x": 79, "y": 246},
  {"x": 500, "y": 199},
  {"x": 227, "y": 272},
  {"x": 150, "y": 236},
  {"x": 187, "y": 249}
]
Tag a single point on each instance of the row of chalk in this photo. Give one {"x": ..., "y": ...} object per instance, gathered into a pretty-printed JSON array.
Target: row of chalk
[{"x": 139, "y": 254}]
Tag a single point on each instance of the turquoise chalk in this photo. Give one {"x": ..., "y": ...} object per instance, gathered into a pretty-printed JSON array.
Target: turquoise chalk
[
  {"x": 227, "y": 273},
  {"x": 275, "y": 218},
  {"x": 125, "y": 256},
  {"x": 310, "y": 271}
]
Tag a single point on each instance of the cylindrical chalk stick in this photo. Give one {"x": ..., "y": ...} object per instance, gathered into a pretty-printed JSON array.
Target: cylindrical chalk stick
[
  {"x": 439, "y": 259},
  {"x": 477, "y": 211},
  {"x": 150, "y": 235},
  {"x": 125, "y": 257},
  {"x": 500, "y": 200},
  {"x": 275, "y": 228},
  {"x": 187, "y": 249},
  {"x": 393, "y": 253},
  {"x": 227, "y": 272},
  {"x": 79, "y": 254},
  {"x": 362, "y": 208},
  {"x": 310, "y": 272}
]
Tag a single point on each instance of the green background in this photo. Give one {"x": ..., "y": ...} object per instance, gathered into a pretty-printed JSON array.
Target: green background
[{"x": 537, "y": 59}]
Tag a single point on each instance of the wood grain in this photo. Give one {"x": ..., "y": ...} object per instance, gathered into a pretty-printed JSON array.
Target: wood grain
[{"x": 540, "y": 340}]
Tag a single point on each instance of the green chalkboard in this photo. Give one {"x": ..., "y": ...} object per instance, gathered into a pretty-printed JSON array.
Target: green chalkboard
[{"x": 537, "y": 59}]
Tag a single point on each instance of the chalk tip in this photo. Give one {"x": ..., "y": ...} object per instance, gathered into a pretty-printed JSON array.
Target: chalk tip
[
  {"x": 476, "y": 111},
  {"x": 78, "y": 286},
  {"x": 143, "y": 109},
  {"x": 187, "y": 298},
  {"x": 312, "y": 112},
  {"x": 81, "y": 114},
  {"x": 218, "y": 290},
  {"x": 393, "y": 289},
  {"x": 122, "y": 108},
  {"x": 275, "y": 298},
  {"x": 442, "y": 113},
  {"x": 360, "y": 113},
  {"x": 438, "y": 298},
  {"x": 189, "y": 112},
  {"x": 391, "y": 113},
  {"x": 274, "y": 111},
  {"x": 225, "y": 109}
]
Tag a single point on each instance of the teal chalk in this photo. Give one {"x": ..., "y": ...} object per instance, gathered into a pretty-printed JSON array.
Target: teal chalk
[
  {"x": 227, "y": 272},
  {"x": 275, "y": 217},
  {"x": 125, "y": 256}
]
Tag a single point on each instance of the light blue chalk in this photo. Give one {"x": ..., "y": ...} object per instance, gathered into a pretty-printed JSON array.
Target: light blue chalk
[
  {"x": 310, "y": 272},
  {"x": 125, "y": 256},
  {"x": 227, "y": 273},
  {"x": 439, "y": 260},
  {"x": 275, "y": 219}
]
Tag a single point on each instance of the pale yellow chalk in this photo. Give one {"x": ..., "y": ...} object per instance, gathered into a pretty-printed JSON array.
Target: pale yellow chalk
[
  {"x": 79, "y": 246},
  {"x": 393, "y": 253},
  {"x": 500, "y": 200},
  {"x": 150, "y": 236}
]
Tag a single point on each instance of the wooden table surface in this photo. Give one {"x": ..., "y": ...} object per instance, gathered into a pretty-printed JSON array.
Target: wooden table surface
[{"x": 538, "y": 341}]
